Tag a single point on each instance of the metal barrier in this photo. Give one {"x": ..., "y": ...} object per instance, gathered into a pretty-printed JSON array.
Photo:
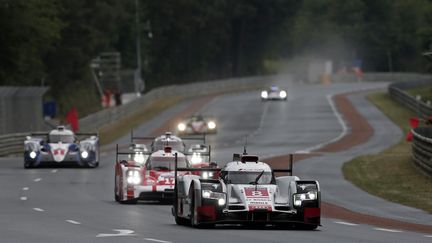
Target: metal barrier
[
  {"x": 396, "y": 91},
  {"x": 12, "y": 144},
  {"x": 422, "y": 148}
]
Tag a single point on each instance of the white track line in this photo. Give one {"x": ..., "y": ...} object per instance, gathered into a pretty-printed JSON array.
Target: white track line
[
  {"x": 25, "y": 188},
  {"x": 345, "y": 223},
  {"x": 54, "y": 171},
  {"x": 72, "y": 221},
  {"x": 156, "y": 240},
  {"x": 38, "y": 209},
  {"x": 388, "y": 230},
  {"x": 23, "y": 198},
  {"x": 341, "y": 122},
  {"x": 429, "y": 236},
  {"x": 37, "y": 179}
]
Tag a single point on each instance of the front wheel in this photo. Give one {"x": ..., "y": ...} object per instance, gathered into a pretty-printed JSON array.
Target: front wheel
[
  {"x": 28, "y": 165},
  {"x": 93, "y": 164}
]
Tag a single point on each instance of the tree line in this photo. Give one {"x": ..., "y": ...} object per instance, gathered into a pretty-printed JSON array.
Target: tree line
[{"x": 52, "y": 42}]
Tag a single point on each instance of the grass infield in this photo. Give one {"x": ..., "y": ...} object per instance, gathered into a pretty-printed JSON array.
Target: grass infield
[{"x": 392, "y": 174}]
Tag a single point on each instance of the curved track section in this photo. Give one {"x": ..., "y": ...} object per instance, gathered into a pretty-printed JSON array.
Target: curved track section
[{"x": 72, "y": 204}]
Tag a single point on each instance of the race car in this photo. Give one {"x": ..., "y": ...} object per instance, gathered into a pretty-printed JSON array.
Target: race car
[
  {"x": 274, "y": 93},
  {"x": 199, "y": 156},
  {"x": 61, "y": 146},
  {"x": 247, "y": 192},
  {"x": 152, "y": 180},
  {"x": 197, "y": 124}
]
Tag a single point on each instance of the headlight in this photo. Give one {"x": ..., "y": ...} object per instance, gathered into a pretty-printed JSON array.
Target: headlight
[
  {"x": 196, "y": 158},
  {"x": 32, "y": 154},
  {"x": 84, "y": 154},
  {"x": 133, "y": 177},
  {"x": 282, "y": 94},
  {"x": 220, "y": 197},
  {"x": 264, "y": 94},
  {"x": 139, "y": 158},
  {"x": 207, "y": 174},
  {"x": 181, "y": 127},
  {"x": 308, "y": 196},
  {"x": 211, "y": 125}
]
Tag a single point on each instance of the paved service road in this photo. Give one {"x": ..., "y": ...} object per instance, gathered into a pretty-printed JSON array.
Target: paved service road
[{"x": 77, "y": 205}]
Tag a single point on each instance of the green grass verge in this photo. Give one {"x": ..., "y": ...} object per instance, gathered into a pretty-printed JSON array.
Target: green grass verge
[
  {"x": 113, "y": 131},
  {"x": 425, "y": 92},
  {"x": 392, "y": 174}
]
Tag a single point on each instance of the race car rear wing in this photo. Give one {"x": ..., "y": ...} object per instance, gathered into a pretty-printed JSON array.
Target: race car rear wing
[{"x": 128, "y": 153}]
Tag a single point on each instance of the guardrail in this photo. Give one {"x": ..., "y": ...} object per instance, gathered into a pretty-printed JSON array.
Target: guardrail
[
  {"x": 12, "y": 144},
  {"x": 396, "y": 91},
  {"x": 422, "y": 148}
]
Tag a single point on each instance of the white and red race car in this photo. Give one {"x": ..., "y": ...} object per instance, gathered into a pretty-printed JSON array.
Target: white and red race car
[
  {"x": 152, "y": 179},
  {"x": 247, "y": 192},
  {"x": 197, "y": 124}
]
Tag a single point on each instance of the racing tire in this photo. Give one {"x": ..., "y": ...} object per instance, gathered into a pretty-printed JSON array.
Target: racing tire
[
  {"x": 28, "y": 165},
  {"x": 181, "y": 221},
  {"x": 93, "y": 164},
  {"x": 192, "y": 212}
]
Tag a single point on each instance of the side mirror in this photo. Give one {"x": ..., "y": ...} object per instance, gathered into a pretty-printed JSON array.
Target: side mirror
[
  {"x": 28, "y": 137},
  {"x": 236, "y": 157}
]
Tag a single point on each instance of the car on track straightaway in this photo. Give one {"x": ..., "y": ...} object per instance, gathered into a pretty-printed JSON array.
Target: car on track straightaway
[
  {"x": 152, "y": 178},
  {"x": 274, "y": 93},
  {"x": 61, "y": 146},
  {"x": 247, "y": 192},
  {"x": 197, "y": 124}
]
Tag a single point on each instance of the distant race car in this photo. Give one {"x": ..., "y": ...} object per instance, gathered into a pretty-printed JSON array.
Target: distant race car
[
  {"x": 274, "y": 93},
  {"x": 247, "y": 192},
  {"x": 152, "y": 179},
  {"x": 197, "y": 124},
  {"x": 61, "y": 146},
  {"x": 199, "y": 157}
]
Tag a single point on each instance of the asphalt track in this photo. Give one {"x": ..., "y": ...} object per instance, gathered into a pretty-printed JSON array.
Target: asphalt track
[{"x": 76, "y": 205}]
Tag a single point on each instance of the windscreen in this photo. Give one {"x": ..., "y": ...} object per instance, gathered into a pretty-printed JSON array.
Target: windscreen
[
  {"x": 248, "y": 177},
  {"x": 55, "y": 138},
  {"x": 166, "y": 163}
]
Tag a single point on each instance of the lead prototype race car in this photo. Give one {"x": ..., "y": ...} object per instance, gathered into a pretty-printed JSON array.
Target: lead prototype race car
[
  {"x": 197, "y": 124},
  {"x": 247, "y": 192},
  {"x": 274, "y": 93},
  {"x": 61, "y": 146}
]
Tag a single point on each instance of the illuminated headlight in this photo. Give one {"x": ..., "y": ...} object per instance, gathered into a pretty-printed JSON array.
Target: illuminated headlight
[
  {"x": 181, "y": 127},
  {"x": 196, "y": 158},
  {"x": 264, "y": 94},
  {"x": 300, "y": 197},
  {"x": 282, "y": 94},
  {"x": 207, "y": 174},
  {"x": 219, "y": 197},
  {"x": 211, "y": 125},
  {"x": 32, "y": 154},
  {"x": 139, "y": 158},
  {"x": 133, "y": 177},
  {"x": 84, "y": 154}
]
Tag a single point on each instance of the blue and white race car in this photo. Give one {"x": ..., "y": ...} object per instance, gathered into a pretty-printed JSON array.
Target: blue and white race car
[
  {"x": 61, "y": 146},
  {"x": 274, "y": 93}
]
